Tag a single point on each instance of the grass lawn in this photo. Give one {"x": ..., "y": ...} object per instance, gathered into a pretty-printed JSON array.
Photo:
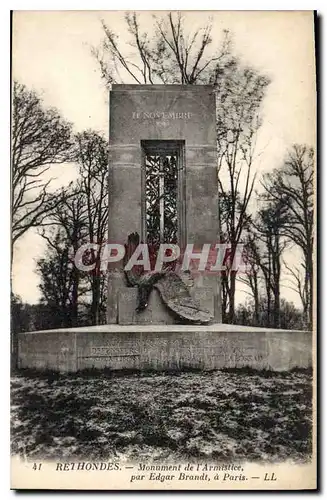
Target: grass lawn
[{"x": 223, "y": 415}]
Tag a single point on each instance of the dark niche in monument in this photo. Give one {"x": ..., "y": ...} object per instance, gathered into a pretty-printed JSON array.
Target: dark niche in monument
[
  {"x": 164, "y": 188},
  {"x": 164, "y": 199}
]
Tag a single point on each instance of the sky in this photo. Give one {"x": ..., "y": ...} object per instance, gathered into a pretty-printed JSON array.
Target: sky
[{"x": 52, "y": 54}]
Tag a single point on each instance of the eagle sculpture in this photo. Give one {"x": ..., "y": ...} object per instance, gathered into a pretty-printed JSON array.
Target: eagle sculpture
[{"x": 173, "y": 290}]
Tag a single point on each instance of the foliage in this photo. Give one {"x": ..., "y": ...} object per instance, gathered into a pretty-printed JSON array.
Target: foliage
[
  {"x": 57, "y": 279},
  {"x": 19, "y": 315},
  {"x": 40, "y": 138},
  {"x": 170, "y": 56},
  {"x": 180, "y": 56},
  {"x": 292, "y": 186},
  {"x": 81, "y": 216},
  {"x": 290, "y": 317},
  {"x": 240, "y": 92}
]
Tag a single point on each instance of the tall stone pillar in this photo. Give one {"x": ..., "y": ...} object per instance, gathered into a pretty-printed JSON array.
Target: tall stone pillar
[{"x": 140, "y": 113}]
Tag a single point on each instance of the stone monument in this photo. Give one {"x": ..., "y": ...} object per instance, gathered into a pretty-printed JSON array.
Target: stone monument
[
  {"x": 154, "y": 130},
  {"x": 163, "y": 135}
]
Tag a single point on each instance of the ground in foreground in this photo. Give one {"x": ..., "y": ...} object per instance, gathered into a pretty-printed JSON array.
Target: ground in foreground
[{"x": 223, "y": 415}]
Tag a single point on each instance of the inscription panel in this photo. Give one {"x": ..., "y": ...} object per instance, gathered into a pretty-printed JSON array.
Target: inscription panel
[
  {"x": 113, "y": 351},
  {"x": 136, "y": 112},
  {"x": 162, "y": 115},
  {"x": 104, "y": 351},
  {"x": 164, "y": 349}
]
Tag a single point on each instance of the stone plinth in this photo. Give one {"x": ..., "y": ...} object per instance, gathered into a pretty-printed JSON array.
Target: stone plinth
[{"x": 165, "y": 347}]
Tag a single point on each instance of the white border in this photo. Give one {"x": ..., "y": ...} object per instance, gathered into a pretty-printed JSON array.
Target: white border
[{"x": 5, "y": 178}]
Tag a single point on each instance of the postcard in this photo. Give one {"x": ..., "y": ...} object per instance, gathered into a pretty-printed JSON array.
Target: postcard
[{"x": 163, "y": 300}]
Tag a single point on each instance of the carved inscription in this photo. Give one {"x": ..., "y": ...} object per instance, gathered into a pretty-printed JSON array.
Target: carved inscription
[
  {"x": 237, "y": 353},
  {"x": 105, "y": 351},
  {"x": 161, "y": 115},
  {"x": 245, "y": 358}
]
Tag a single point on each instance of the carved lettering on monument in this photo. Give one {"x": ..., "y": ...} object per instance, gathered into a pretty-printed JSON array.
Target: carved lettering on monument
[
  {"x": 99, "y": 358},
  {"x": 234, "y": 352},
  {"x": 161, "y": 115},
  {"x": 246, "y": 358},
  {"x": 129, "y": 350}
]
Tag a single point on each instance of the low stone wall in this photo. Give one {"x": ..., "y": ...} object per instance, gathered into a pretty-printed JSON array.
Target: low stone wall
[{"x": 165, "y": 347}]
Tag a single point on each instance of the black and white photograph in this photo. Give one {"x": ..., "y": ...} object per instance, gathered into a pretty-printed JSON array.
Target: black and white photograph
[{"x": 163, "y": 250}]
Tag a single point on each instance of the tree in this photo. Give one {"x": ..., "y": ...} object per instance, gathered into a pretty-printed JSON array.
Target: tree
[
  {"x": 81, "y": 215},
  {"x": 19, "y": 315},
  {"x": 63, "y": 288},
  {"x": 252, "y": 275},
  {"x": 297, "y": 283},
  {"x": 271, "y": 220},
  {"x": 40, "y": 138},
  {"x": 292, "y": 185},
  {"x": 92, "y": 157},
  {"x": 169, "y": 56},
  {"x": 239, "y": 97},
  {"x": 19, "y": 322},
  {"x": 174, "y": 56},
  {"x": 264, "y": 248},
  {"x": 68, "y": 230},
  {"x": 290, "y": 316},
  {"x": 55, "y": 270}
]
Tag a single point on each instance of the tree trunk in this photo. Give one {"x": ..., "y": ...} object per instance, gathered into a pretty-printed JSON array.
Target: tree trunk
[
  {"x": 256, "y": 300},
  {"x": 224, "y": 290},
  {"x": 276, "y": 281},
  {"x": 13, "y": 333},
  {"x": 276, "y": 322},
  {"x": 95, "y": 306},
  {"x": 14, "y": 350},
  {"x": 309, "y": 290},
  {"x": 231, "y": 312},
  {"x": 74, "y": 303}
]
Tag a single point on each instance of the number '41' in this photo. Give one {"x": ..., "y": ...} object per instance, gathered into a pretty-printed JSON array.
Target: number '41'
[{"x": 36, "y": 466}]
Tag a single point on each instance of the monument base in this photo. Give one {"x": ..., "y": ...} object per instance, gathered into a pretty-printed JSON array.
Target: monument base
[{"x": 164, "y": 347}]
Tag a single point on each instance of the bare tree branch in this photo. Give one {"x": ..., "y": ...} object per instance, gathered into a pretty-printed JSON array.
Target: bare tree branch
[{"x": 40, "y": 138}]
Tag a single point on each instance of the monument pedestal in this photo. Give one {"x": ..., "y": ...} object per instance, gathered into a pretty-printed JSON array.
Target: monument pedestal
[{"x": 165, "y": 347}]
